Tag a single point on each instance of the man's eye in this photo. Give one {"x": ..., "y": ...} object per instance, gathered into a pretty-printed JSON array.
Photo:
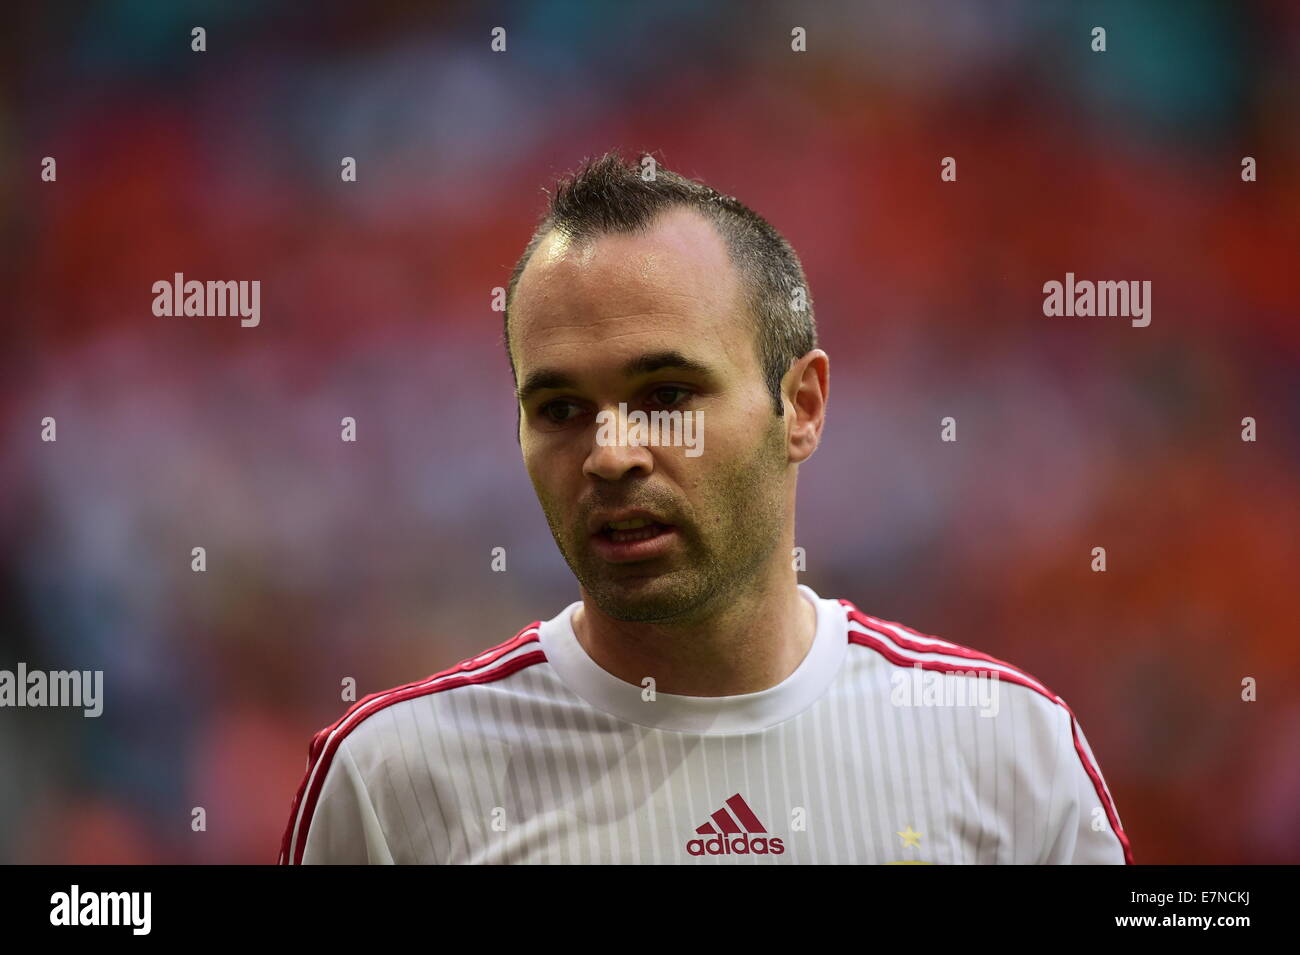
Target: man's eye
[
  {"x": 676, "y": 393},
  {"x": 558, "y": 411}
]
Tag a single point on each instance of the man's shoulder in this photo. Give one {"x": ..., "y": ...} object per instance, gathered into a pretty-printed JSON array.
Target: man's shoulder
[
  {"x": 366, "y": 722},
  {"x": 992, "y": 709},
  {"x": 912, "y": 659},
  {"x": 368, "y": 737},
  {"x": 1044, "y": 741}
]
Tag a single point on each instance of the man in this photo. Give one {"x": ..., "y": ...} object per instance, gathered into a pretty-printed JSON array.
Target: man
[{"x": 697, "y": 704}]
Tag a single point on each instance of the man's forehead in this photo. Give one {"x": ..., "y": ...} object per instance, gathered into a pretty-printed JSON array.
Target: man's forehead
[{"x": 678, "y": 265}]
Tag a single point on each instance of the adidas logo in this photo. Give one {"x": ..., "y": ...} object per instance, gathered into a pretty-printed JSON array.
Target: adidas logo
[{"x": 732, "y": 835}]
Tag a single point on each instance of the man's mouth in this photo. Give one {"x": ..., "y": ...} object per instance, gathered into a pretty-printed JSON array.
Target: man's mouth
[
  {"x": 636, "y": 529},
  {"x": 634, "y": 539}
]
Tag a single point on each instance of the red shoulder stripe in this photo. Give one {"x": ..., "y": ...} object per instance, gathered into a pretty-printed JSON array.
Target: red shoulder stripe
[
  {"x": 473, "y": 663},
  {"x": 945, "y": 646},
  {"x": 1017, "y": 676},
  {"x": 325, "y": 743}
]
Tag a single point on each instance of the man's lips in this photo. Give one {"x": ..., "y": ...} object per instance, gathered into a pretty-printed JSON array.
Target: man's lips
[
  {"x": 631, "y": 535},
  {"x": 598, "y": 521}
]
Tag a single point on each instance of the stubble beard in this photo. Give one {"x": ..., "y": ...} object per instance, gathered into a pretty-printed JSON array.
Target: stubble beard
[{"x": 714, "y": 567}]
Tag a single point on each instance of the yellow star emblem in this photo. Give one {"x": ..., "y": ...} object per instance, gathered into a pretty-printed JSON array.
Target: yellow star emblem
[{"x": 910, "y": 838}]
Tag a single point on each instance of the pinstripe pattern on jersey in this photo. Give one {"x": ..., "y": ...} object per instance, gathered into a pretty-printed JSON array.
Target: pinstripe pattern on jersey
[
  {"x": 588, "y": 783},
  {"x": 895, "y": 642},
  {"x": 487, "y": 666}
]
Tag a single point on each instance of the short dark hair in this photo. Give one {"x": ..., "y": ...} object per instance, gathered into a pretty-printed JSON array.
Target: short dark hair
[{"x": 609, "y": 195}]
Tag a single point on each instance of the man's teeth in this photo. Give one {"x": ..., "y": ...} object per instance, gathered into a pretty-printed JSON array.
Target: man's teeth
[
  {"x": 636, "y": 529},
  {"x": 631, "y": 525}
]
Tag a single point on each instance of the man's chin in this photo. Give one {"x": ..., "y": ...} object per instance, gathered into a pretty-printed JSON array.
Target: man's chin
[{"x": 644, "y": 598}]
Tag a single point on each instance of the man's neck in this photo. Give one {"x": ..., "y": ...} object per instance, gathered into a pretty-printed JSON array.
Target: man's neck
[{"x": 748, "y": 646}]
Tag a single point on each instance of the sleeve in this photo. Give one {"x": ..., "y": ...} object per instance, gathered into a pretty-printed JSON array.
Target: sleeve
[
  {"x": 343, "y": 827},
  {"x": 1086, "y": 824}
]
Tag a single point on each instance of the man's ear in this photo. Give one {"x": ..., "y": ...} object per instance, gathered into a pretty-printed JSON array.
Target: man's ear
[{"x": 806, "y": 389}]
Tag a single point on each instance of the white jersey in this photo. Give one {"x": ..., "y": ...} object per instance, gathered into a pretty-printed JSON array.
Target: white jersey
[{"x": 883, "y": 746}]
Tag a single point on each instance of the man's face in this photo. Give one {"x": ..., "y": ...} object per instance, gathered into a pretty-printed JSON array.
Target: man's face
[{"x": 657, "y": 322}]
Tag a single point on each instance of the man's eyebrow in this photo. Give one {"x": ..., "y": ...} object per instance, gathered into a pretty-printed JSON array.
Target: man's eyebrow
[
  {"x": 545, "y": 379},
  {"x": 657, "y": 361}
]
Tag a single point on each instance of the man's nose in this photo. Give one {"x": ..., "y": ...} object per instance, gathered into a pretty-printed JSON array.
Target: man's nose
[{"x": 613, "y": 451}]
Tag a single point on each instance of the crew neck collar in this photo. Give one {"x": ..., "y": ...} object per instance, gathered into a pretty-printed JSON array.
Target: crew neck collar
[{"x": 704, "y": 715}]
